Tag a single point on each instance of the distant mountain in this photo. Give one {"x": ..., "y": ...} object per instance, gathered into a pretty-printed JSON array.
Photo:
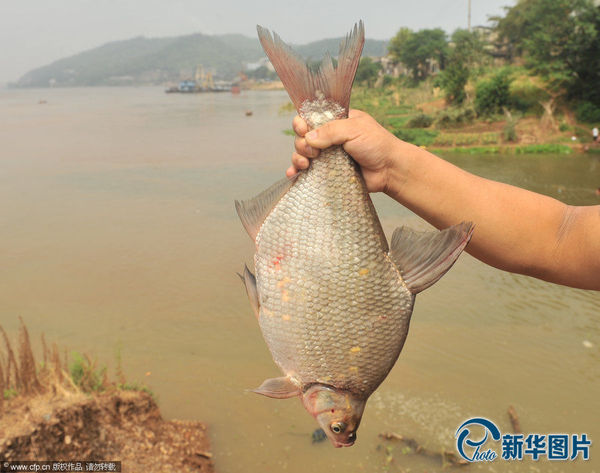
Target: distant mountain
[{"x": 140, "y": 60}]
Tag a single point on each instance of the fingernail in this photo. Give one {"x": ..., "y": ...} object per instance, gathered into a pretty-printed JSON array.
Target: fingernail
[
  {"x": 311, "y": 135},
  {"x": 310, "y": 150}
]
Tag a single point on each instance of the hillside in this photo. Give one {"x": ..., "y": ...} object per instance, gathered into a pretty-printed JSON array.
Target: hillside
[{"x": 141, "y": 60}]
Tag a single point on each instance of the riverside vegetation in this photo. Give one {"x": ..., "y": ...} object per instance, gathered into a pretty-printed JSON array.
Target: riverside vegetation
[
  {"x": 71, "y": 410},
  {"x": 509, "y": 88}
]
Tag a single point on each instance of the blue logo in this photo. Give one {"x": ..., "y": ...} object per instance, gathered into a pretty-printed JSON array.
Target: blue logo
[{"x": 517, "y": 446}]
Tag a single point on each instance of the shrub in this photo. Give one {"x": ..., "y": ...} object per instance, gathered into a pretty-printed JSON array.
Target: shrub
[
  {"x": 509, "y": 133},
  {"x": 420, "y": 121},
  {"x": 455, "y": 117},
  {"x": 493, "y": 94},
  {"x": 526, "y": 97},
  {"x": 387, "y": 80},
  {"x": 587, "y": 112}
]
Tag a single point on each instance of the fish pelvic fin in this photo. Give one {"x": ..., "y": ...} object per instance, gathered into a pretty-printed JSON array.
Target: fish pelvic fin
[
  {"x": 303, "y": 82},
  {"x": 278, "y": 388},
  {"x": 253, "y": 212},
  {"x": 250, "y": 283},
  {"x": 424, "y": 257}
]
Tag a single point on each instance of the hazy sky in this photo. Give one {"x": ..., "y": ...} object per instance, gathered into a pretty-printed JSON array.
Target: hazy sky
[{"x": 36, "y": 32}]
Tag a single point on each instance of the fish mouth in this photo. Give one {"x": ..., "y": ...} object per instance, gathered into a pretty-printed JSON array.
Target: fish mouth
[{"x": 337, "y": 444}]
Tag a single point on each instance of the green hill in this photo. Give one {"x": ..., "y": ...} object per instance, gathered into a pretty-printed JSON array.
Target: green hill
[{"x": 140, "y": 60}]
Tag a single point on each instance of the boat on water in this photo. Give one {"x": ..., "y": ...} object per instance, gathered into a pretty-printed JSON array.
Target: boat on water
[
  {"x": 191, "y": 87},
  {"x": 202, "y": 82}
]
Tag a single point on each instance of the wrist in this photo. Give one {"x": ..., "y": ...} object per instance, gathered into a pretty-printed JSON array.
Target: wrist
[{"x": 402, "y": 164}]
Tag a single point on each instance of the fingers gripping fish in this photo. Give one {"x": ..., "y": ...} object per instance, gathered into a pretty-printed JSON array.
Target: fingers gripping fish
[{"x": 333, "y": 301}]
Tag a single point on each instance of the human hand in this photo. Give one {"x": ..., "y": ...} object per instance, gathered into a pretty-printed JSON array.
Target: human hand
[{"x": 371, "y": 146}]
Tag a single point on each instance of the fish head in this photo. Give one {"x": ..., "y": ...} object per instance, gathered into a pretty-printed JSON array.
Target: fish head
[{"x": 338, "y": 412}]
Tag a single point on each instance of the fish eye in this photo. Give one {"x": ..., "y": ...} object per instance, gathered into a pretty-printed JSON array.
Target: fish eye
[{"x": 338, "y": 427}]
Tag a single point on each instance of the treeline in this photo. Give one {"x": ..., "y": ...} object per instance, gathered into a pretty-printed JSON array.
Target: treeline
[{"x": 555, "y": 42}]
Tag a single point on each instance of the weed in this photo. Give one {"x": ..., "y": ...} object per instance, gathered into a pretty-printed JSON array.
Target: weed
[
  {"x": 86, "y": 375},
  {"x": 9, "y": 393},
  {"x": 24, "y": 377}
]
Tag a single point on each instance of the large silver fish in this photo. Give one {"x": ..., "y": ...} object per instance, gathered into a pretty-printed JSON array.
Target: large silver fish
[{"x": 332, "y": 299}]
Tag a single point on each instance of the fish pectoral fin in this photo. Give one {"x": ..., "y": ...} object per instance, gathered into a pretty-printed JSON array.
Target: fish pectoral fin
[
  {"x": 253, "y": 212},
  {"x": 424, "y": 257},
  {"x": 250, "y": 283},
  {"x": 278, "y": 388}
]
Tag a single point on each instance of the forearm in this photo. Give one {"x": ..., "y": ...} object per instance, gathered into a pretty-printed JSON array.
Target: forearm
[{"x": 515, "y": 230}]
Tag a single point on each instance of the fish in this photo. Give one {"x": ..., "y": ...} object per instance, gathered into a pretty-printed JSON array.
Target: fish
[{"x": 333, "y": 300}]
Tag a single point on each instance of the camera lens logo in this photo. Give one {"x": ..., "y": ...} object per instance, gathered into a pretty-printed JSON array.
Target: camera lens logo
[{"x": 471, "y": 450}]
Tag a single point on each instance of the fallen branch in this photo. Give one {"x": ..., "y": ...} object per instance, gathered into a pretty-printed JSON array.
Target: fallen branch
[
  {"x": 514, "y": 420},
  {"x": 444, "y": 456}
]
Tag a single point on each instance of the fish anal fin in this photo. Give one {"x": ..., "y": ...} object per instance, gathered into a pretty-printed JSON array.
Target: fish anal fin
[
  {"x": 253, "y": 212},
  {"x": 278, "y": 388},
  {"x": 250, "y": 283},
  {"x": 424, "y": 257},
  {"x": 302, "y": 82}
]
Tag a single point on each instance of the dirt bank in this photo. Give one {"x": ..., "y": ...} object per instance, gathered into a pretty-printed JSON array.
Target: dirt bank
[{"x": 121, "y": 426}]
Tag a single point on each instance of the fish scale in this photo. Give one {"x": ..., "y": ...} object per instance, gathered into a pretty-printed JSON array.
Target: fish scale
[
  {"x": 337, "y": 253},
  {"x": 333, "y": 301}
]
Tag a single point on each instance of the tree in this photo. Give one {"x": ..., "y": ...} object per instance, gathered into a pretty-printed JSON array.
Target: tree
[
  {"x": 560, "y": 41},
  {"x": 466, "y": 54},
  {"x": 453, "y": 80},
  {"x": 418, "y": 51},
  {"x": 396, "y": 44},
  {"x": 368, "y": 71},
  {"x": 468, "y": 48},
  {"x": 492, "y": 95}
]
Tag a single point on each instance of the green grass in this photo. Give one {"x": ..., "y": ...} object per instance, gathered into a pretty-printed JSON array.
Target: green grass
[
  {"x": 85, "y": 375},
  {"x": 467, "y": 139},
  {"x": 527, "y": 149},
  {"x": 9, "y": 393},
  {"x": 543, "y": 148},
  {"x": 416, "y": 136},
  {"x": 469, "y": 150}
]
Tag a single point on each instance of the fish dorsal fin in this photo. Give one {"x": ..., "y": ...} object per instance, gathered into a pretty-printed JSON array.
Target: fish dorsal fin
[
  {"x": 303, "y": 82},
  {"x": 424, "y": 257},
  {"x": 279, "y": 388},
  {"x": 250, "y": 283},
  {"x": 253, "y": 212}
]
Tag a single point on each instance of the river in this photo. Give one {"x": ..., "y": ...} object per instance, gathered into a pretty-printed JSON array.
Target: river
[{"x": 118, "y": 232}]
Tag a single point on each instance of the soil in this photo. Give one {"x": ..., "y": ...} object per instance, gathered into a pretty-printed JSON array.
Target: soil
[{"x": 121, "y": 426}]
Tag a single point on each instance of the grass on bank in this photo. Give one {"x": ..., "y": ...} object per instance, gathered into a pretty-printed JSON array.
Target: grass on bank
[{"x": 21, "y": 375}]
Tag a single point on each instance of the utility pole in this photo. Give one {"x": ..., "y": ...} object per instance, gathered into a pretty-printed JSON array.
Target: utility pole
[{"x": 469, "y": 17}]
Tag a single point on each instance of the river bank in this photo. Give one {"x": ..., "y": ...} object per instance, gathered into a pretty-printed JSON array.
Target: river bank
[
  {"x": 123, "y": 426},
  {"x": 66, "y": 409}
]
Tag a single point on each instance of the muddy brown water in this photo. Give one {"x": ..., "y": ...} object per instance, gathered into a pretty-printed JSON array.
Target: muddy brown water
[{"x": 118, "y": 231}]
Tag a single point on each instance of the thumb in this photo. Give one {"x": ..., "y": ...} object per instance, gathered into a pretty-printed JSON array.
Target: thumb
[{"x": 335, "y": 132}]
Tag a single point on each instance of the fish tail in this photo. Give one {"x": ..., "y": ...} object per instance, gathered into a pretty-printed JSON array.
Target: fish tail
[{"x": 303, "y": 82}]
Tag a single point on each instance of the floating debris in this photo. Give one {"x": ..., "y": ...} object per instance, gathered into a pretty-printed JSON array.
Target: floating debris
[
  {"x": 318, "y": 435},
  {"x": 249, "y": 113},
  {"x": 447, "y": 458},
  {"x": 514, "y": 420},
  {"x": 587, "y": 343}
]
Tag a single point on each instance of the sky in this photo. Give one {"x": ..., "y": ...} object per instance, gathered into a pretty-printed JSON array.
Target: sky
[{"x": 34, "y": 33}]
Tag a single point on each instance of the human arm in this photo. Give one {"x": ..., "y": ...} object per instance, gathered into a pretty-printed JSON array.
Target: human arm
[{"x": 515, "y": 230}]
